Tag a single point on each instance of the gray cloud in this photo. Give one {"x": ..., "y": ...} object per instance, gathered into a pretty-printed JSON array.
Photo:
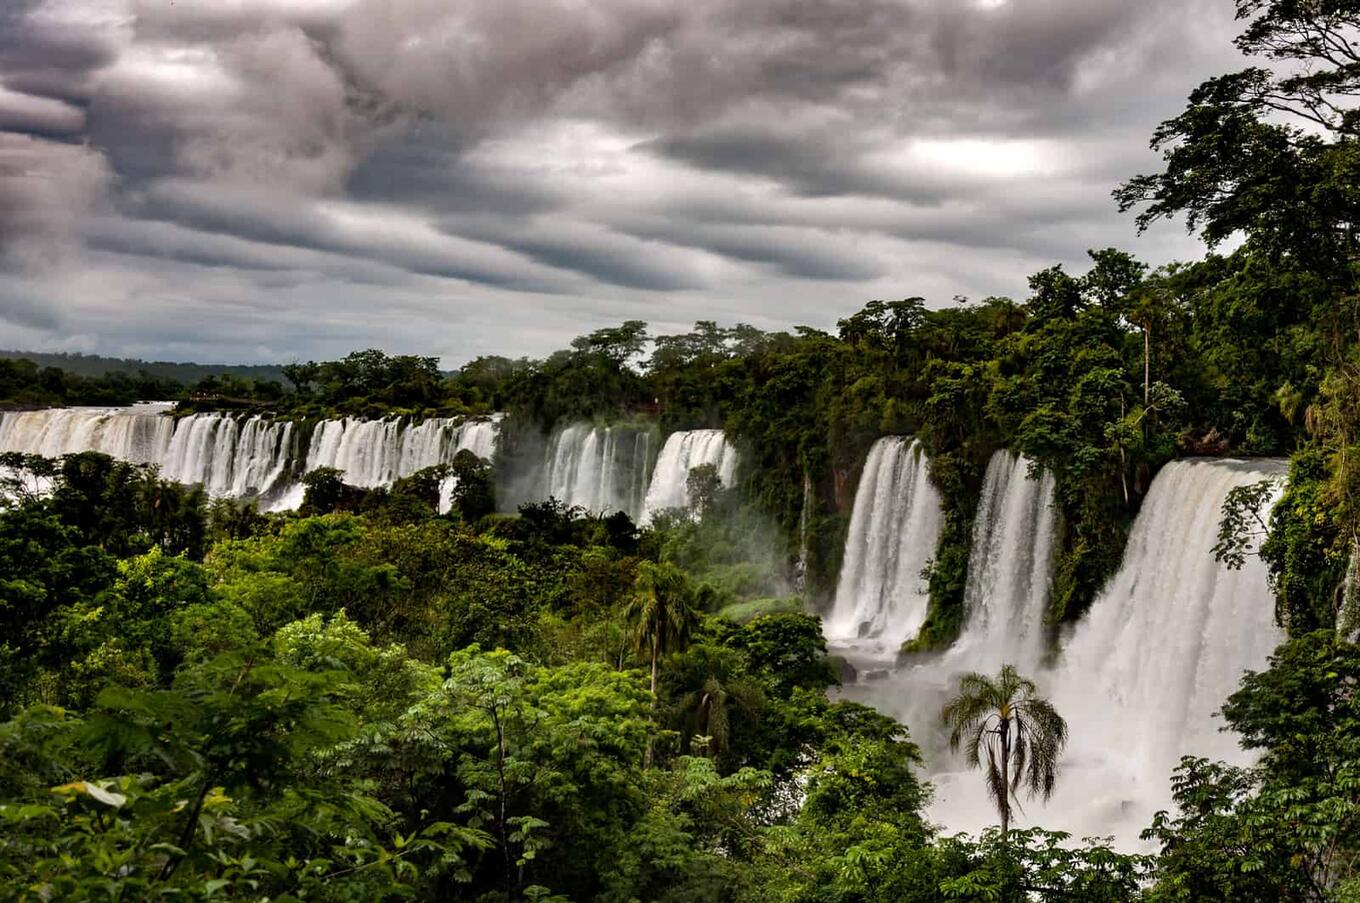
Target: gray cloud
[{"x": 274, "y": 178}]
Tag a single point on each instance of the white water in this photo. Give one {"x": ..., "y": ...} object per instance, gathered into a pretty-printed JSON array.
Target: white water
[
  {"x": 476, "y": 436},
  {"x": 252, "y": 456},
  {"x": 228, "y": 456},
  {"x": 1348, "y": 617},
  {"x": 133, "y": 434},
  {"x": 804, "y": 516},
  {"x": 601, "y": 469},
  {"x": 1009, "y": 570},
  {"x": 881, "y": 596},
  {"x": 683, "y": 452},
  {"x": 1143, "y": 675},
  {"x": 1138, "y": 679}
]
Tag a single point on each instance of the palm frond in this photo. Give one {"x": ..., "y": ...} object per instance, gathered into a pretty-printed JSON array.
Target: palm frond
[{"x": 1036, "y": 734}]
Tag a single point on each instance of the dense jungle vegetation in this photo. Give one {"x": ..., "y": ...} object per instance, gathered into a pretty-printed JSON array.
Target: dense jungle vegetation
[{"x": 369, "y": 700}]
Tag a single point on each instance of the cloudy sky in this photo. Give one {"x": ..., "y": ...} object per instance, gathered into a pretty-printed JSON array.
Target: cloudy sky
[{"x": 265, "y": 180}]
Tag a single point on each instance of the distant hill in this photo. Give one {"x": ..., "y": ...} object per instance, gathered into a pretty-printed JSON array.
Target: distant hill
[{"x": 94, "y": 365}]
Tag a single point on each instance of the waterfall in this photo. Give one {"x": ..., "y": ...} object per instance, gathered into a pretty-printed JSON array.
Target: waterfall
[
  {"x": 1348, "y": 617},
  {"x": 600, "y": 468},
  {"x": 373, "y": 453},
  {"x": 1142, "y": 675},
  {"x": 476, "y": 436},
  {"x": 137, "y": 433},
  {"x": 804, "y": 516},
  {"x": 379, "y": 452},
  {"x": 683, "y": 452},
  {"x": 1009, "y": 570},
  {"x": 247, "y": 456},
  {"x": 226, "y": 455},
  {"x": 895, "y": 525}
]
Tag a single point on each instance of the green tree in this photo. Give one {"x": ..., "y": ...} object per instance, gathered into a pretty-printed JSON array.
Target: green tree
[
  {"x": 1019, "y": 734},
  {"x": 662, "y": 614},
  {"x": 1270, "y": 150},
  {"x": 716, "y": 697},
  {"x": 1288, "y": 828}
]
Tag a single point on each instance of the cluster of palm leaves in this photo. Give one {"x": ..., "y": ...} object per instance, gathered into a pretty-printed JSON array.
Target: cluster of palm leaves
[{"x": 1010, "y": 732}]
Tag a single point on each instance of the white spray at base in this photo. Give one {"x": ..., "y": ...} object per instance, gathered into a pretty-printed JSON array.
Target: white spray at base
[
  {"x": 240, "y": 456},
  {"x": 684, "y": 451},
  {"x": 1138, "y": 679},
  {"x": 881, "y": 596}
]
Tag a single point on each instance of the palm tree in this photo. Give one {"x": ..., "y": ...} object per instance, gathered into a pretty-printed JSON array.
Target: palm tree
[
  {"x": 1020, "y": 734},
  {"x": 717, "y": 691},
  {"x": 662, "y": 616}
]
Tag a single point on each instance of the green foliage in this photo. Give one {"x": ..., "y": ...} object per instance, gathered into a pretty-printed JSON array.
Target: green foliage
[
  {"x": 1306, "y": 550},
  {"x": 474, "y": 495},
  {"x": 1235, "y": 164},
  {"x": 1040, "y": 865},
  {"x": 1242, "y": 524},
  {"x": 26, "y": 383},
  {"x": 1286, "y": 830}
]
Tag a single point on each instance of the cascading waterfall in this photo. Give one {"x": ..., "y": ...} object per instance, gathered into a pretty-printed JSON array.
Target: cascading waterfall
[
  {"x": 895, "y": 526},
  {"x": 476, "y": 436},
  {"x": 600, "y": 468},
  {"x": 683, "y": 452},
  {"x": 1140, "y": 677},
  {"x": 137, "y": 433},
  {"x": 379, "y": 452},
  {"x": 372, "y": 453},
  {"x": 1009, "y": 570},
  {"x": 227, "y": 456},
  {"x": 1165, "y": 644},
  {"x": 235, "y": 456}
]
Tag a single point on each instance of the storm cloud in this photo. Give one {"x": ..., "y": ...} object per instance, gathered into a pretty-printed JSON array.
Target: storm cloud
[{"x": 280, "y": 179}]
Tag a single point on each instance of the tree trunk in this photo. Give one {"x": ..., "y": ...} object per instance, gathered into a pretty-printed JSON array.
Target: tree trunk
[
  {"x": 647, "y": 754},
  {"x": 501, "y": 784},
  {"x": 1005, "y": 778},
  {"x": 654, "y": 672},
  {"x": 1123, "y": 459},
  {"x": 1147, "y": 364}
]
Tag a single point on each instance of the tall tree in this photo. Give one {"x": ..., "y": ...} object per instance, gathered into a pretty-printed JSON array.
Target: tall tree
[
  {"x": 662, "y": 616},
  {"x": 1270, "y": 151},
  {"x": 1020, "y": 735}
]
